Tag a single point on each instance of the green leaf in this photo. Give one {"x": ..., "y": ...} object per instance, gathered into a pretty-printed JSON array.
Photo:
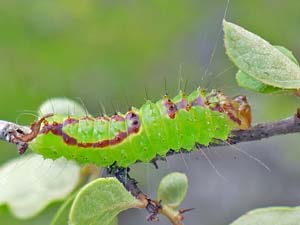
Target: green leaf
[
  {"x": 259, "y": 59},
  {"x": 287, "y": 53},
  {"x": 62, "y": 215},
  {"x": 99, "y": 202},
  {"x": 30, "y": 183},
  {"x": 270, "y": 216},
  {"x": 172, "y": 189},
  {"x": 6, "y": 218},
  {"x": 63, "y": 106},
  {"x": 246, "y": 81}
]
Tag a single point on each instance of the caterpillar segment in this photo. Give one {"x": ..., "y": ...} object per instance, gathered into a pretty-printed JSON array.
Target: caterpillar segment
[{"x": 140, "y": 134}]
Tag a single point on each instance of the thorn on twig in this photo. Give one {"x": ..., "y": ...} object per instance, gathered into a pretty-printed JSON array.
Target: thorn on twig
[{"x": 182, "y": 211}]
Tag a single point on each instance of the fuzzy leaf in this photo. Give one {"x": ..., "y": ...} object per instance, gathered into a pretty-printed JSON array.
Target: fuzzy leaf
[
  {"x": 270, "y": 216},
  {"x": 30, "y": 183},
  {"x": 62, "y": 215},
  {"x": 63, "y": 106},
  {"x": 99, "y": 202},
  {"x": 259, "y": 59},
  {"x": 246, "y": 81},
  {"x": 287, "y": 53},
  {"x": 172, "y": 189}
]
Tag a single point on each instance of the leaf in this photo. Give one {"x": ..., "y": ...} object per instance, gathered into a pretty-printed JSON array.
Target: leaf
[
  {"x": 30, "y": 183},
  {"x": 43, "y": 218},
  {"x": 287, "y": 53},
  {"x": 62, "y": 215},
  {"x": 246, "y": 81},
  {"x": 259, "y": 59},
  {"x": 270, "y": 216},
  {"x": 63, "y": 106},
  {"x": 172, "y": 189},
  {"x": 99, "y": 202}
]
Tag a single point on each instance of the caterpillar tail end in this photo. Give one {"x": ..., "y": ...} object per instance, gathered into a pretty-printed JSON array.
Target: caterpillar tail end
[{"x": 20, "y": 135}]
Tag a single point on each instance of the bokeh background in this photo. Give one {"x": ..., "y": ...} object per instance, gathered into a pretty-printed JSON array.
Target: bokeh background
[{"x": 114, "y": 52}]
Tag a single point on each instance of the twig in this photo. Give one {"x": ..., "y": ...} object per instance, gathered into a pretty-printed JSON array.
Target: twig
[
  {"x": 152, "y": 206},
  {"x": 266, "y": 130}
]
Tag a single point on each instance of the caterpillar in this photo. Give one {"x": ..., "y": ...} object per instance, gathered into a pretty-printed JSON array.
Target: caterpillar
[{"x": 139, "y": 134}]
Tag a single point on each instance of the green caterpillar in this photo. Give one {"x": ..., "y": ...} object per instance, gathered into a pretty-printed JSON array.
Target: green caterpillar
[{"x": 139, "y": 134}]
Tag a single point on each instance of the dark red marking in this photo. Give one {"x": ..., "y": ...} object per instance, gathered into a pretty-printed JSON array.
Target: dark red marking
[
  {"x": 230, "y": 111},
  {"x": 69, "y": 140},
  {"x": 85, "y": 145},
  {"x": 217, "y": 108},
  {"x": 102, "y": 118},
  {"x": 234, "y": 118},
  {"x": 101, "y": 144},
  {"x": 117, "y": 117},
  {"x": 70, "y": 121},
  {"x": 57, "y": 129},
  {"x": 118, "y": 138},
  {"x": 170, "y": 107},
  {"x": 135, "y": 123}
]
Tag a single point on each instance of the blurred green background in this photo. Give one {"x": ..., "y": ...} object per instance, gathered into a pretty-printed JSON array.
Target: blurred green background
[{"x": 109, "y": 52}]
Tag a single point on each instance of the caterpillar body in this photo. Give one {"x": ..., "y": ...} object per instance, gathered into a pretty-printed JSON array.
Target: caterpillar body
[{"x": 139, "y": 134}]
